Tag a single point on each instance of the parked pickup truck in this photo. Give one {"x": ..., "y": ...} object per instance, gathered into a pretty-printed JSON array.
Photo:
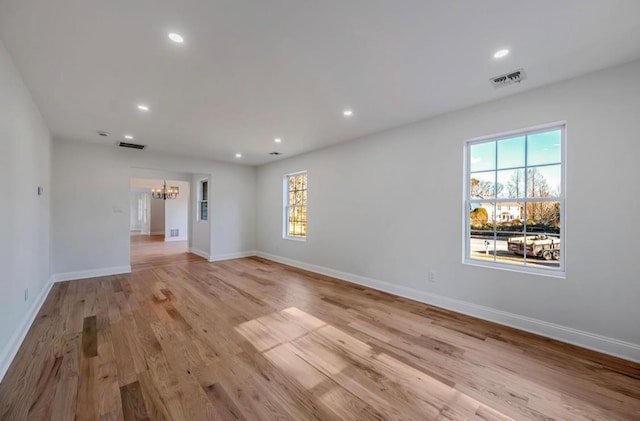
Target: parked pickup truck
[{"x": 539, "y": 245}]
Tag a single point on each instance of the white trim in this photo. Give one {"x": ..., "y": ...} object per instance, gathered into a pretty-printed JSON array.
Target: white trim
[
  {"x": 538, "y": 271},
  {"x": 229, "y": 256},
  {"x": 538, "y": 128},
  {"x": 200, "y": 253},
  {"x": 91, "y": 273},
  {"x": 560, "y": 271},
  {"x": 170, "y": 239},
  {"x": 11, "y": 348},
  {"x": 286, "y": 204},
  {"x": 606, "y": 345},
  {"x": 301, "y": 239}
]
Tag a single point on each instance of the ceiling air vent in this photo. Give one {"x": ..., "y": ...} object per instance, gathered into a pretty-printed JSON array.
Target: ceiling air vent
[
  {"x": 131, "y": 145},
  {"x": 510, "y": 78},
  {"x": 275, "y": 153}
]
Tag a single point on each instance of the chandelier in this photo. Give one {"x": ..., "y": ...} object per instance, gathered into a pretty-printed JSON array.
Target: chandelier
[{"x": 165, "y": 193}]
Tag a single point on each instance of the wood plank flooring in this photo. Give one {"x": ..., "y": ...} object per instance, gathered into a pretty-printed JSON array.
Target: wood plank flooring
[
  {"x": 250, "y": 339},
  {"x": 149, "y": 251}
]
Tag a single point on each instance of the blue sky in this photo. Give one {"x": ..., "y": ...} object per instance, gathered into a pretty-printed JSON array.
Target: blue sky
[{"x": 542, "y": 149}]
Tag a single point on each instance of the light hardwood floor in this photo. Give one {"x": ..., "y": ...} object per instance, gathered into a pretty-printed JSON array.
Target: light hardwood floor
[
  {"x": 149, "y": 251},
  {"x": 250, "y": 339}
]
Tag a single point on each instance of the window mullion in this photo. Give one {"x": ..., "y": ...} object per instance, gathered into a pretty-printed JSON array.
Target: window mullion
[{"x": 540, "y": 207}]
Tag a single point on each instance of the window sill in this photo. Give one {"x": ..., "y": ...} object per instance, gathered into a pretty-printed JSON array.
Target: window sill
[
  {"x": 299, "y": 239},
  {"x": 547, "y": 273}
]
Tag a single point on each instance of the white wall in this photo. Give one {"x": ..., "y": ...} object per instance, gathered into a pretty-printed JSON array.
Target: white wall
[
  {"x": 139, "y": 175},
  {"x": 387, "y": 208},
  {"x": 199, "y": 241},
  {"x": 157, "y": 216},
  {"x": 177, "y": 212},
  {"x": 25, "y": 156},
  {"x": 91, "y": 183}
]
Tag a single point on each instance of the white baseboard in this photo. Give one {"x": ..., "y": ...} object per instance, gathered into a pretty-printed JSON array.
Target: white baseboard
[
  {"x": 227, "y": 256},
  {"x": 606, "y": 345},
  {"x": 91, "y": 273},
  {"x": 200, "y": 253},
  {"x": 11, "y": 348},
  {"x": 169, "y": 239}
]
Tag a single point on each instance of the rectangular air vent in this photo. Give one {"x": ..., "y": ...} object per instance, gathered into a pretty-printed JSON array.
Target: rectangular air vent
[
  {"x": 510, "y": 78},
  {"x": 131, "y": 145},
  {"x": 175, "y": 232}
]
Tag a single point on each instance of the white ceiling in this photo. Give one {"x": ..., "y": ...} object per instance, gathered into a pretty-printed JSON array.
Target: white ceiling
[{"x": 253, "y": 70}]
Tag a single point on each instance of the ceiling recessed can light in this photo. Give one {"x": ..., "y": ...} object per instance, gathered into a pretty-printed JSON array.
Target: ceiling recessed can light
[
  {"x": 238, "y": 155},
  {"x": 175, "y": 37},
  {"x": 501, "y": 53},
  {"x": 347, "y": 113},
  {"x": 128, "y": 137},
  {"x": 277, "y": 140},
  {"x": 143, "y": 107}
]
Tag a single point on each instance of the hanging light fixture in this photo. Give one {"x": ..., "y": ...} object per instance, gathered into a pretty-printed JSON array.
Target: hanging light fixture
[{"x": 165, "y": 193}]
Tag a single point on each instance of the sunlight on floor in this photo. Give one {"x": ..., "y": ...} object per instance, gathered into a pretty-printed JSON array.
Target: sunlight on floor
[{"x": 326, "y": 360}]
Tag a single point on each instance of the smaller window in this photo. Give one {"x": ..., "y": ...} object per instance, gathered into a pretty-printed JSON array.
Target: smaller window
[
  {"x": 203, "y": 202},
  {"x": 295, "y": 206}
]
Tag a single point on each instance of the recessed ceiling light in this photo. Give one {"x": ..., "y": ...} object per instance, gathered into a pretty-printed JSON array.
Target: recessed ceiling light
[
  {"x": 175, "y": 37},
  {"x": 143, "y": 107},
  {"x": 238, "y": 155},
  {"x": 128, "y": 137},
  {"x": 347, "y": 113},
  {"x": 500, "y": 53},
  {"x": 277, "y": 140}
]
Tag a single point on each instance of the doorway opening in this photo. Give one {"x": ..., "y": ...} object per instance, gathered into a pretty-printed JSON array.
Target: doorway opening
[{"x": 159, "y": 227}]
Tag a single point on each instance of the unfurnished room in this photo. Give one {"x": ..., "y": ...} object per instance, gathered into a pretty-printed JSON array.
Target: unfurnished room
[{"x": 319, "y": 210}]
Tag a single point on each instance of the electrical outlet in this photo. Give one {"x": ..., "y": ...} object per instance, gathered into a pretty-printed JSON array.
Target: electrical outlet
[
  {"x": 26, "y": 294},
  {"x": 432, "y": 276}
]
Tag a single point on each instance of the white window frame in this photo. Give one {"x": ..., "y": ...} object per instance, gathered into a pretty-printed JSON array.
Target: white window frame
[
  {"x": 201, "y": 200},
  {"x": 285, "y": 213},
  {"x": 559, "y": 272},
  {"x": 141, "y": 208}
]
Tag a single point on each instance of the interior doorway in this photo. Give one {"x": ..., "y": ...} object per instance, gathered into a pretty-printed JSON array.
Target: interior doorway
[{"x": 159, "y": 224}]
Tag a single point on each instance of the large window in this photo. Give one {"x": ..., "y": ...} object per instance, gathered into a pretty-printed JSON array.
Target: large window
[
  {"x": 203, "y": 200},
  {"x": 514, "y": 201},
  {"x": 295, "y": 206}
]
